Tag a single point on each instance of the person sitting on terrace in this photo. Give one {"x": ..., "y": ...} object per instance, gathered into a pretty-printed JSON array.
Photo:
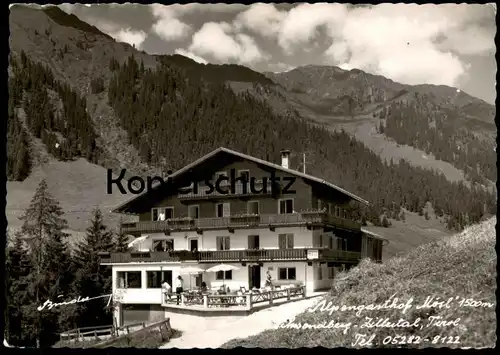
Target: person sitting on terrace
[
  {"x": 240, "y": 298},
  {"x": 204, "y": 287}
]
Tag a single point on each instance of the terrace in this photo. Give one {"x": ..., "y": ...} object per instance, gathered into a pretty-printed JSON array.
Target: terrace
[
  {"x": 242, "y": 300},
  {"x": 271, "y": 221}
]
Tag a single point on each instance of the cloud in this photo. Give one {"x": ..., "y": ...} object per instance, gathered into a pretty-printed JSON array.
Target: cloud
[
  {"x": 68, "y": 8},
  {"x": 301, "y": 24},
  {"x": 260, "y": 18},
  {"x": 408, "y": 43},
  {"x": 134, "y": 38},
  {"x": 193, "y": 56},
  {"x": 168, "y": 26},
  {"x": 215, "y": 39}
]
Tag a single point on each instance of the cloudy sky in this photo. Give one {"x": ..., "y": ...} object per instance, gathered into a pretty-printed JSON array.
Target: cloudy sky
[{"x": 412, "y": 44}]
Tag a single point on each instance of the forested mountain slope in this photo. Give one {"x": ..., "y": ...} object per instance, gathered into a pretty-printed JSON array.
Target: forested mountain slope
[
  {"x": 442, "y": 122},
  {"x": 86, "y": 96}
]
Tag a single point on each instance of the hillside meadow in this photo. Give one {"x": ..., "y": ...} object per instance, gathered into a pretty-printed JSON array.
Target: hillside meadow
[{"x": 459, "y": 267}]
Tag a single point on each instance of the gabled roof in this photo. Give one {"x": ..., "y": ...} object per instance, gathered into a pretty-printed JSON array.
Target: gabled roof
[{"x": 251, "y": 158}]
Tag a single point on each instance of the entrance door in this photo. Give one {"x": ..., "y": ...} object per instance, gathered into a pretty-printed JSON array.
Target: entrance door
[
  {"x": 254, "y": 276},
  {"x": 193, "y": 244}
]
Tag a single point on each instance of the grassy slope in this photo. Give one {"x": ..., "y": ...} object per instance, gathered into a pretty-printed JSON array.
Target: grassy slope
[
  {"x": 422, "y": 231},
  {"x": 79, "y": 186},
  {"x": 463, "y": 265}
]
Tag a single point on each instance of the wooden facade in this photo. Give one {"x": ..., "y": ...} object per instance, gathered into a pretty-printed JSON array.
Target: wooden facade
[{"x": 308, "y": 228}]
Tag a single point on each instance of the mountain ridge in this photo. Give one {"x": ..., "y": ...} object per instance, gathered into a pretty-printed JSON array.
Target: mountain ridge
[{"x": 97, "y": 68}]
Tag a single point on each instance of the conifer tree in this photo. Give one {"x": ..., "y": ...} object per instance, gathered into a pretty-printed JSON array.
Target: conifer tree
[
  {"x": 17, "y": 267},
  {"x": 91, "y": 278},
  {"x": 121, "y": 241},
  {"x": 43, "y": 226}
]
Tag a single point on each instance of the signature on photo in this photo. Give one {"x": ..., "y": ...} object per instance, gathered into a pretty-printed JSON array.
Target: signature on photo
[{"x": 49, "y": 304}]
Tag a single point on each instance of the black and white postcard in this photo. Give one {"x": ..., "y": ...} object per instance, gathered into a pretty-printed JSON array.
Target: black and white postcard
[{"x": 259, "y": 175}]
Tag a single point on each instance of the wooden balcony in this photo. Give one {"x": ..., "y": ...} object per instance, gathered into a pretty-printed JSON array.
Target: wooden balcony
[
  {"x": 240, "y": 189},
  {"x": 248, "y": 255},
  {"x": 241, "y": 221}
]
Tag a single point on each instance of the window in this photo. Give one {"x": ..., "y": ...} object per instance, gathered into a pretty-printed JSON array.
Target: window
[
  {"x": 224, "y": 275},
  {"x": 129, "y": 279},
  {"x": 331, "y": 272},
  {"x": 253, "y": 242},
  {"x": 246, "y": 174},
  {"x": 330, "y": 242},
  {"x": 285, "y": 241},
  {"x": 219, "y": 174},
  {"x": 342, "y": 244},
  {"x": 155, "y": 278},
  {"x": 223, "y": 243},
  {"x": 222, "y": 210},
  {"x": 319, "y": 204},
  {"x": 286, "y": 273},
  {"x": 330, "y": 209},
  {"x": 286, "y": 206},
  {"x": 162, "y": 213},
  {"x": 321, "y": 240},
  {"x": 320, "y": 272},
  {"x": 253, "y": 207},
  {"x": 163, "y": 244},
  {"x": 337, "y": 214},
  {"x": 194, "y": 211}
]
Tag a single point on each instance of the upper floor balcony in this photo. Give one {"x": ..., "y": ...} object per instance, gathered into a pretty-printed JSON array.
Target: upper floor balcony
[
  {"x": 241, "y": 221},
  {"x": 247, "y": 255}
]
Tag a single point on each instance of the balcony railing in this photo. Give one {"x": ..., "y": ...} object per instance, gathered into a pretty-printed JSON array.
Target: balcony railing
[
  {"x": 263, "y": 220},
  {"x": 204, "y": 192},
  {"x": 248, "y": 255}
]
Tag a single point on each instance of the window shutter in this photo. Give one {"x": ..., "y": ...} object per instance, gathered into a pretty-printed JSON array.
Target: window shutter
[
  {"x": 226, "y": 210},
  {"x": 289, "y": 241},
  {"x": 282, "y": 241}
]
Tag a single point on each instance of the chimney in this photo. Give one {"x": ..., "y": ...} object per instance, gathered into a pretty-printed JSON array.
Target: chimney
[{"x": 285, "y": 158}]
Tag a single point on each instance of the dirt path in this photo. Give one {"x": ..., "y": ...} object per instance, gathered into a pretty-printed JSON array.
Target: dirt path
[{"x": 200, "y": 332}]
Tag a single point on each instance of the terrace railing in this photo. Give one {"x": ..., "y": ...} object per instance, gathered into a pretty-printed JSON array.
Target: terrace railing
[{"x": 246, "y": 301}]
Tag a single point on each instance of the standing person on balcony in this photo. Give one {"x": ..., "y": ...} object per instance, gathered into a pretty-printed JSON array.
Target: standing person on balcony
[{"x": 179, "y": 282}]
